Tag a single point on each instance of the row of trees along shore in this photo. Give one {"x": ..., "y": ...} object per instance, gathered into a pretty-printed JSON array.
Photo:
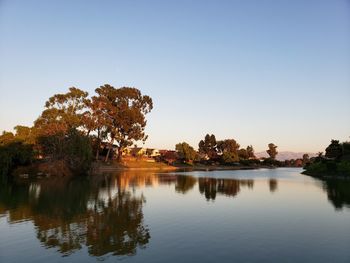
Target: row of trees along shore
[
  {"x": 75, "y": 128},
  {"x": 226, "y": 151},
  {"x": 71, "y": 128}
]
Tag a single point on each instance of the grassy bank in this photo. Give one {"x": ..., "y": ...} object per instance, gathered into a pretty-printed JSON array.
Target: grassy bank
[{"x": 99, "y": 167}]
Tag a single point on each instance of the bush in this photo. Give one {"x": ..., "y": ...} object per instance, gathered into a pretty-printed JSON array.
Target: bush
[
  {"x": 272, "y": 162},
  {"x": 317, "y": 168},
  {"x": 74, "y": 148},
  {"x": 14, "y": 154},
  {"x": 343, "y": 168},
  {"x": 78, "y": 152}
]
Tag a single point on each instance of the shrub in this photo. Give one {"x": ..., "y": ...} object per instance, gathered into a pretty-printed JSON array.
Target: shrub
[
  {"x": 343, "y": 168},
  {"x": 74, "y": 148},
  {"x": 14, "y": 154}
]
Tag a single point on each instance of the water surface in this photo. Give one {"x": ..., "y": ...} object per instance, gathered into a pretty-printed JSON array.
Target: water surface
[{"x": 219, "y": 216}]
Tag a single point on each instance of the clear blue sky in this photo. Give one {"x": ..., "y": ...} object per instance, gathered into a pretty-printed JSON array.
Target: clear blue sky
[{"x": 256, "y": 71}]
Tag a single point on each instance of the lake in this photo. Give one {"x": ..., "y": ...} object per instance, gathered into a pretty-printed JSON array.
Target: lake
[{"x": 266, "y": 215}]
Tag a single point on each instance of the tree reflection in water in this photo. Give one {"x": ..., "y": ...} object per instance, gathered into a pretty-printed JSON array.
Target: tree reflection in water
[
  {"x": 70, "y": 214},
  {"x": 184, "y": 183},
  {"x": 229, "y": 187},
  {"x": 273, "y": 185},
  {"x": 338, "y": 192}
]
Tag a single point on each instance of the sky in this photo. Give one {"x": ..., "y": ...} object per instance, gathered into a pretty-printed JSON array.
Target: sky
[{"x": 256, "y": 71}]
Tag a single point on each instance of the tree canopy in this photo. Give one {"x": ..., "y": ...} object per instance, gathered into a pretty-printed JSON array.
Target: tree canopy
[
  {"x": 208, "y": 146},
  {"x": 186, "y": 152},
  {"x": 272, "y": 151},
  {"x": 122, "y": 114}
]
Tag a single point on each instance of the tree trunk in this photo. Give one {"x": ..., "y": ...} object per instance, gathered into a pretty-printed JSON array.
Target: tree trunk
[
  {"x": 107, "y": 155},
  {"x": 120, "y": 154},
  {"x": 109, "y": 149},
  {"x": 98, "y": 145},
  {"x": 98, "y": 152}
]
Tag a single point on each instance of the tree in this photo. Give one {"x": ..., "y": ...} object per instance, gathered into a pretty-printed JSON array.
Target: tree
[
  {"x": 6, "y": 138},
  {"x": 74, "y": 148},
  {"x": 62, "y": 112},
  {"x": 12, "y": 154},
  {"x": 185, "y": 152},
  {"x": 25, "y": 134},
  {"x": 123, "y": 112},
  {"x": 96, "y": 118},
  {"x": 208, "y": 146},
  {"x": 306, "y": 159},
  {"x": 229, "y": 150},
  {"x": 250, "y": 151},
  {"x": 334, "y": 150},
  {"x": 272, "y": 152},
  {"x": 243, "y": 154}
]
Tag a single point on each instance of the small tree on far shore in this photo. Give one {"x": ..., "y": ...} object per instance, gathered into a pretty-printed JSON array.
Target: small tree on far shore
[{"x": 272, "y": 151}]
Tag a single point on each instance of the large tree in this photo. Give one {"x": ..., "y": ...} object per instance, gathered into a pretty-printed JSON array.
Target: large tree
[
  {"x": 208, "y": 146},
  {"x": 185, "y": 152},
  {"x": 272, "y": 151},
  {"x": 334, "y": 150},
  {"x": 250, "y": 151},
  {"x": 229, "y": 150},
  {"x": 123, "y": 112}
]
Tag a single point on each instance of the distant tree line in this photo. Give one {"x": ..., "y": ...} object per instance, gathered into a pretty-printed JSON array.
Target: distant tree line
[{"x": 227, "y": 152}]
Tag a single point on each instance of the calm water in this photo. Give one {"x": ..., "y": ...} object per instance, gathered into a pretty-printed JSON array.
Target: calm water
[{"x": 223, "y": 216}]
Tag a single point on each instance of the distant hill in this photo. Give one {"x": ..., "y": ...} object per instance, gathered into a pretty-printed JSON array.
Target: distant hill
[{"x": 282, "y": 156}]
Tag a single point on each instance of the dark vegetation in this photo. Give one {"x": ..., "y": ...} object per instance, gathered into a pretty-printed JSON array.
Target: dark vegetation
[
  {"x": 225, "y": 152},
  {"x": 335, "y": 162}
]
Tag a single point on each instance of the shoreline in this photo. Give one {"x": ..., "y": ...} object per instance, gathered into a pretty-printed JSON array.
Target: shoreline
[
  {"x": 101, "y": 167},
  {"x": 326, "y": 177}
]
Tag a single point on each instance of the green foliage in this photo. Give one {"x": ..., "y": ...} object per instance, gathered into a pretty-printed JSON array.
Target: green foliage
[
  {"x": 343, "y": 168},
  {"x": 250, "y": 151},
  {"x": 329, "y": 168},
  {"x": 336, "y": 163},
  {"x": 6, "y": 138},
  {"x": 62, "y": 113},
  {"x": 243, "y": 154},
  {"x": 185, "y": 152},
  {"x": 62, "y": 132},
  {"x": 78, "y": 151},
  {"x": 74, "y": 148},
  {"x": 229, "y": 158},
  {"x": 334, "y": 150},
  {"x": 346, "y": 148},
  {"x": 229, "y": 150},
  {"x": 14, "y": 154},
  {"x": 208, "y": 146},
  {"x": 272, "y": 162}
]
